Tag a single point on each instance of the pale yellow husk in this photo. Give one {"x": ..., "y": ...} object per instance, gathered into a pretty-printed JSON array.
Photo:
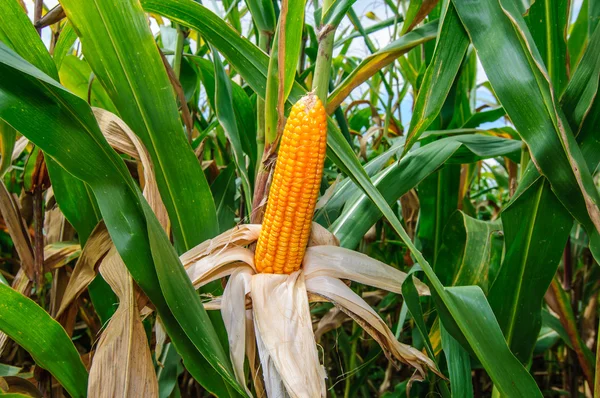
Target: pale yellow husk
[
  {"x": 278, "y": 305},
  {"x": 283, "y": 321},
  {"x": 122, "y": 365}
]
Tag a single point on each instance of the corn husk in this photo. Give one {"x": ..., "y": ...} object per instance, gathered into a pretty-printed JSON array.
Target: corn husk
[
  {"x": 282, "y": 319},
  {"x": 233, "y": 310},
  {"x": 279, "y": 307},
  {"x": 343, "y": 263},
  {"x": 122, "y": 365},
  {"x": 219, "y": 265},
  {"x": 274, "y": 386},
  {"x": 352, "y": 304},
  {"x": 241, "y": 235}
]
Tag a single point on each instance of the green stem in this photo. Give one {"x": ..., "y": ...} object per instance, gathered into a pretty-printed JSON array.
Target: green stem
[
  {"x": 323, "y": 65},
  {"x": 263, "y": 44}
]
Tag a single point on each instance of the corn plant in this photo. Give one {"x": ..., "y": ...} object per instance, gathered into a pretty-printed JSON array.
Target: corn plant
[{"x": 299, "y": 198}]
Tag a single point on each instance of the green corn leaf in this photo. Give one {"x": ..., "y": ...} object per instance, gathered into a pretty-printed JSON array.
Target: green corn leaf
[
  {"x": 500, "y": 36},
  {"x": 467, "y": 251},
  {"x": 8, "y": 136},
  {"x": 34, "y": 329},
  {"x": 534, "y": 245},
  {"x": 547, "y": 21},
  {"x": 282, "y": 66},
  {"x": 263, "y": 15},
  {"x": 459, "y": 365},
  {"x": 359, "y": 215},
  {"x": 65, "y": 42}
]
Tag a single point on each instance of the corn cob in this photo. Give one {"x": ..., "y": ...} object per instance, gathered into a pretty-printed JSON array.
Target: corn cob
[{"x": 294, "y": 189}]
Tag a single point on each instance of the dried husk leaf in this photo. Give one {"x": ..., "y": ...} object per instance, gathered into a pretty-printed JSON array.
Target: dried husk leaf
[
  {"x": 352, "y": 304},
  {"x": 218, "y": 257},
  {"x": 241, "y": 235},
  {"x": 320, "y": 236},
  {"x": 343, "y": 263},
  {"x": 282, "y": 319},
  {"x": 161, "y": 337},
  {"x": 251, "y": 354},
  {"x": 213, "y": 304},
  {"x": 233, "y": 311},
  {"x": 96, "y": 247},
  {"x": 219, "y": 265},
  {"x": 122, "y": 365},
  {"x": 274, "y": 386},
  {"x": 56, "y": 227},
  {"x": 20, "y": 146}
]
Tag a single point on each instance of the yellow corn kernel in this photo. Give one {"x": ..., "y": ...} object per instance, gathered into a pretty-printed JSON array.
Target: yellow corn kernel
[{"x": 294, "y": 189}]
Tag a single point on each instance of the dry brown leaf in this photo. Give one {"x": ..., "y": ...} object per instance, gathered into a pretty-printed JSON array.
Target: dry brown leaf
[
  {"x": 56, "y": 227},
  {"x": 95, "y": 249},
  {"x": 122, "y": 365},
  {"x": 410, "y": 211},
  {"x": 17, "y": 230},
  {"x": 19, "y": 385},
  {"x": 120, "y": 137}
]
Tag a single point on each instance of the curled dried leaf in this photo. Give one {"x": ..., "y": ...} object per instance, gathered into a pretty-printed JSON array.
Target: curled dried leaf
[
  {"x": 123, "y": 139},
  {"x": 352, "y": 304},
  {"x": 347, "y": 264},
  {"x": 219, "y": 265},
  {"x": 123, "y": 342},
  {"x": 241, "y": 235}
]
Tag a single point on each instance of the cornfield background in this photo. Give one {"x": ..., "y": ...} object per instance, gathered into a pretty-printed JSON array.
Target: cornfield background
[{"x": 463, "y": 144}]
